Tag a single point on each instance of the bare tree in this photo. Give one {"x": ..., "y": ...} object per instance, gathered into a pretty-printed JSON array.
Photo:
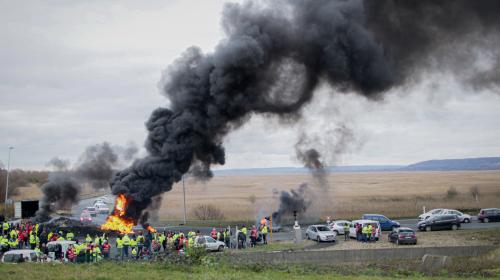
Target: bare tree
[{"x": 474, "y": 191}]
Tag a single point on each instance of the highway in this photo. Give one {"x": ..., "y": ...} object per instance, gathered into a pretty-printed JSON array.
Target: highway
[{"x": 277, "y": 236}]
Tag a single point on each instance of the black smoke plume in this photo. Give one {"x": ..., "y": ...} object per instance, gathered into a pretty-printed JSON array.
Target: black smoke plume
[
  {"x": 95, "y": 167},
  {"x": 294, "y": 200},
  {"x": 277, "y": 53}
]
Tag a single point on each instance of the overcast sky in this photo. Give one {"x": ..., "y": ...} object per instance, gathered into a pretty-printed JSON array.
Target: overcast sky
[{"x": 77, "y": 73}]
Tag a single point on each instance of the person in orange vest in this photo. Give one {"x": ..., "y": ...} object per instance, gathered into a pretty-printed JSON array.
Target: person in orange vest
[
  {"x": 253, "y": 236},
  {"x": 214, "y": 233}
]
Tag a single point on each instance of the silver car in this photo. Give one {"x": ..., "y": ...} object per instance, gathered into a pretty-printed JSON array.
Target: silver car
[{"x": 320, "y": 233}]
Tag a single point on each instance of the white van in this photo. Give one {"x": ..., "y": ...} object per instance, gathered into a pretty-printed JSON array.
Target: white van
[
  {"x": 18, "y": 256},
  {"x": 352, "y": 227},
  {"x": 53, "y": 246}
]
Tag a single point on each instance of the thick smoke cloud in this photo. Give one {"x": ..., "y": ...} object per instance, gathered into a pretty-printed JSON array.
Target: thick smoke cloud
[
  {"x": 274, "y": 57},
  {"x": 95, "y": 167},
  {"x": 294, "y": 200}
]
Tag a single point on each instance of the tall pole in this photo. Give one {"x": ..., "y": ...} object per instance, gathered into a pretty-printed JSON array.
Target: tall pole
[
  {"x": 7, "y": 182},
  {"x": 184, "y": 195}
]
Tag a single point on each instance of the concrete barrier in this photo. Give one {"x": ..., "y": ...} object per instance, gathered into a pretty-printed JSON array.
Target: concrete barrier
[{"x": 359, "y": 255}]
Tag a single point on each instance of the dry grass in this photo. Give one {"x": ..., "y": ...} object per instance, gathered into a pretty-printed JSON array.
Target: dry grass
[{"x": 396, "y": 194}]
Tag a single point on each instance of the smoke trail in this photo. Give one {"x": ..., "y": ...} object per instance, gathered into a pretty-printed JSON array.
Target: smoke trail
[
  {"x": 95, "y": 167},
  {"x": 273, "y": 58},
  {"x": 58, "y": 164},
  {"x": 294, "y": 200}
]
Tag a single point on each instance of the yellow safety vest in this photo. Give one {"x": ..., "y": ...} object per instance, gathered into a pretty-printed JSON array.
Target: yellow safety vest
[
  {"x": 126, "y": 240},
  {"x": 119, "y": 243}
]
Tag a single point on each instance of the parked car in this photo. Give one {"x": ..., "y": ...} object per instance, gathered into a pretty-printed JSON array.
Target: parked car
[
  {"x": 56, "y": 247},
  {"x": 209, "y": 243},
  {"x": 489, "y": 215},
  {"x": 376, "y": 224},
  {"x": 320, "y": 233},
  {"x": 440, "y": 222},
  {"x": 102, "y": 208},
  {"x": 338, "y": 226},
  {"x": 92, "y": 211},
  {"x": 385, "y": 223},
  {"x": 464, "y": 218},
  {"x": 428, "y": 214},
  {"x": 85, "y": 217},
  {"x": 403, "y": 235},
  {"x": 18, "y": 256}
]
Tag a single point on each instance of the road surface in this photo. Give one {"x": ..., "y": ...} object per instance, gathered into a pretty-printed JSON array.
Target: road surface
[{"x": 277, "y": 236}]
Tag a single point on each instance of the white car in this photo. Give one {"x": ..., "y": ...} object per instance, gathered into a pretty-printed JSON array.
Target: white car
[
  {"x": 209, "y": 243},
  {"x": 320, "y": 233},
  {"x": 338, "y": 226},
  {"x": 464, "y": 218},
  {"x": 101, "y": 208},
  {"x": 18, "y": 256},
  {"x": 428, "y": 214},
  {"x": 352, "y": 228}
]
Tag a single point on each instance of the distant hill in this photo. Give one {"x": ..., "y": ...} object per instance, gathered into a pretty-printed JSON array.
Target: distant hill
[{"x": 484, "y": 163}]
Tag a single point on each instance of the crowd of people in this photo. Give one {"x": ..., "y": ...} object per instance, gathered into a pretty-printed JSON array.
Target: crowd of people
[
  {"x": 365, "y": 233},
  {"x": 143, "y": 245}
]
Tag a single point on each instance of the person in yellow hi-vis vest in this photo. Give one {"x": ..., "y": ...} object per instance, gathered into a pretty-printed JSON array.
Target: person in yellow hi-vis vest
[
  {"x": 119, "y": 247},
  {"x": 126, "y": 244}
]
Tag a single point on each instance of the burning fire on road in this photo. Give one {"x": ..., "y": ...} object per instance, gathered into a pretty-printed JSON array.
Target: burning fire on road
[{"x": 118, "y": 221}]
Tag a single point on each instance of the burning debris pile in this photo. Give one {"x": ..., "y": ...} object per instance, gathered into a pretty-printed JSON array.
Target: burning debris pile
[
  {"x": 273, "y": 59},
  {"x": 95, "y": 167}
]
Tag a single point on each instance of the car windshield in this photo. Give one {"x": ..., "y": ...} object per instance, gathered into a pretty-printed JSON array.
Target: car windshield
[
  {"x": 91, "y": 208},
  {"x": 323, "y": 228},
  {"x": 406, "y": 231},
  {"x": 210, "y": 239}
]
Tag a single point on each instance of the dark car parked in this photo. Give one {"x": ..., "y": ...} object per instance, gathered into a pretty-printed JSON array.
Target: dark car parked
[
  {"x": 489, "y": 215},
  {"x": 403, "y": 235},
  {"x": 440, "y": 222}
]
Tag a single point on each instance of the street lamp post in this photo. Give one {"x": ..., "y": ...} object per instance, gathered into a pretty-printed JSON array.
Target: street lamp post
[
  {"x": 7, "y": 182},
  {"x": 184, "y": 195}
]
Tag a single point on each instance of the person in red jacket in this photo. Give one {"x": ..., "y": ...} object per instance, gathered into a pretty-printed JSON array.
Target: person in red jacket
[
  {"x": 105, "y": 249},
  {"x": 253, "y": 236},
  {"x": 70, "y": 253}
]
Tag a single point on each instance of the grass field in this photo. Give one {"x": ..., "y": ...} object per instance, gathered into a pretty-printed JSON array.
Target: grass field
[
  {"x": 395, "y": 194},
  {"x": 153, "y": 271}
]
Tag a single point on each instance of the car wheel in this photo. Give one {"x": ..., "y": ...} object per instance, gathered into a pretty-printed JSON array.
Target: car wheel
[
  {"x": 454, "y": 227},
  {"x": 317, "y": 239},
  {"x": 428, "y": 228},
  {"x": 221, "y": 248},
  {"x": 466, "y": 221},
  {"x": 486, "y": 220}
]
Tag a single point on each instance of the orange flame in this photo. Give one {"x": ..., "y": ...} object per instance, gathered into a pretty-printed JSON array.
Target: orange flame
[
  {"x": 117, "y": 221},
  {"x": 151, "y": 229}
]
